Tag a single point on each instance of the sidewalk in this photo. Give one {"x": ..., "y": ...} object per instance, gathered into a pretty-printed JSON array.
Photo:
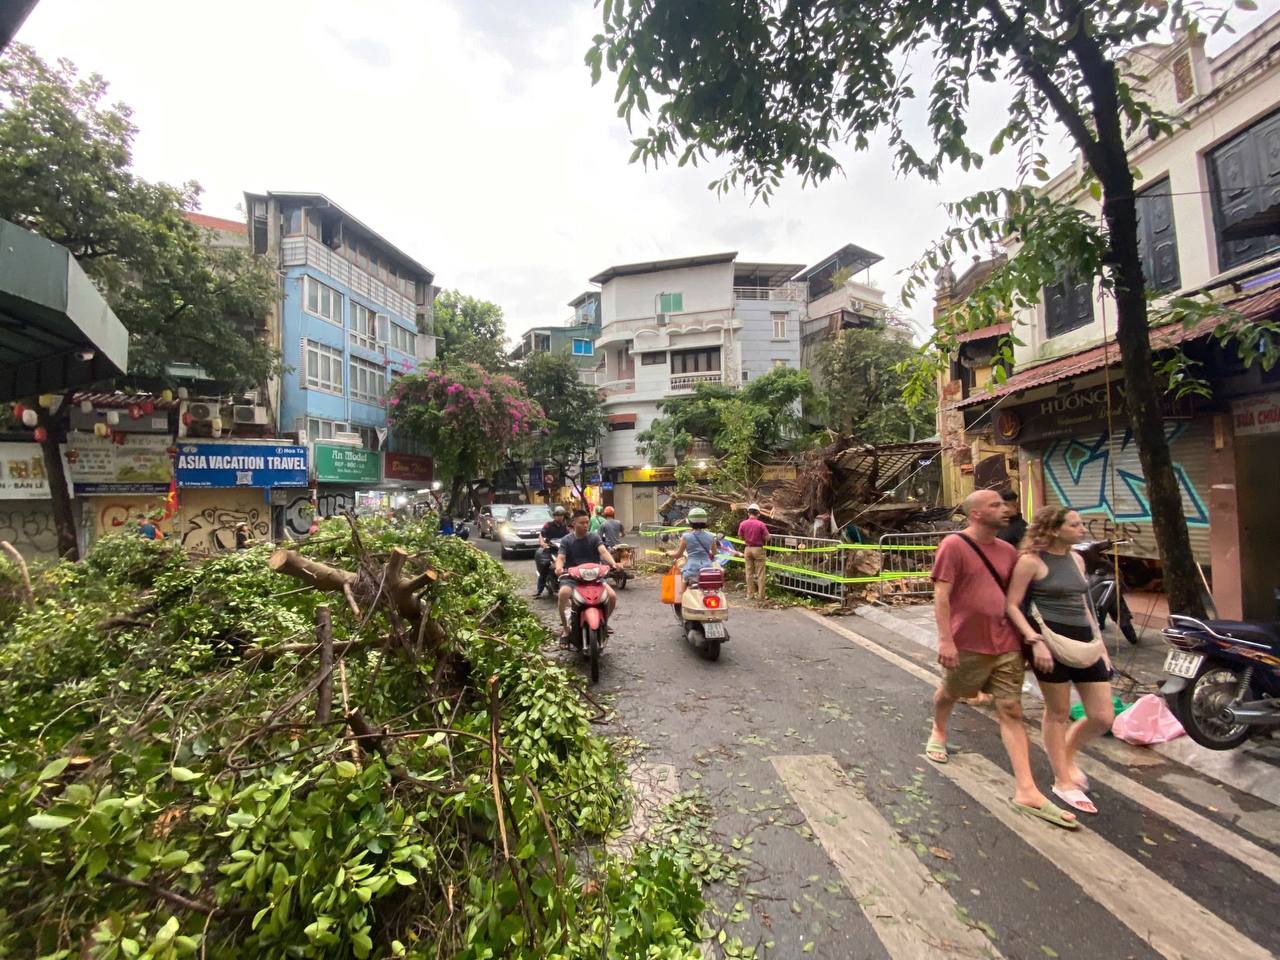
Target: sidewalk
[{"x": 1253, "y": 768}]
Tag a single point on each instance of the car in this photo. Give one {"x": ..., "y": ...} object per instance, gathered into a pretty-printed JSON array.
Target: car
[
  {"x": 519, "y": 532},
  {"x": 490, "y": 517}
]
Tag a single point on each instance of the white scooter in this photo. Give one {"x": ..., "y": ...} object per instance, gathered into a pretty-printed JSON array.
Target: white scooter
[{"x": 702, "y": 610}]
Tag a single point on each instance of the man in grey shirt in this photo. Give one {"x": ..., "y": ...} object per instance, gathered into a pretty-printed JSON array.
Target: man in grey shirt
[{"x": 610, "y": 529}]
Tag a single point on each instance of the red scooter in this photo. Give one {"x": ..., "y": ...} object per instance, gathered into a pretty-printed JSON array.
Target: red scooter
[{"x": 587, "y": 616}]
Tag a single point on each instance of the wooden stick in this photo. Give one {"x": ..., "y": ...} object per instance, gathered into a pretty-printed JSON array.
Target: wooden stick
[
  {"x": 324, "y": 634},
  {"x": 346, "y": 705},
  {"x": 493, "y": 763},
  {"x": 27, "y": 593}
]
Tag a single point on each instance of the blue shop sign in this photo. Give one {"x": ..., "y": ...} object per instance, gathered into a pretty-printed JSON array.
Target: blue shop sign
[
  {"x": 535, "y": 477},
  {"x": 241, "y": 465}
]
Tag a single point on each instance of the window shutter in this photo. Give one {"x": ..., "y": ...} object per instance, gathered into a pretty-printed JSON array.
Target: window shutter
[{"x": 384, "y": 328}]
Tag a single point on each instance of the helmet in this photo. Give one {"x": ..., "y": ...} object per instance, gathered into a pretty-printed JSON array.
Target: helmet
[
  {"x": 608, "y": 511},
  {"x": 697, "y": 515},
  {"x": 753, "y": 508},
  {"x": 599, "y": 509},
  {"x": 559, "y": 511}
]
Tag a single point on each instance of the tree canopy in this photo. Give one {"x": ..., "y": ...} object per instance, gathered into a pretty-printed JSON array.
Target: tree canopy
[
  {"x": 574, "y": 414},
  {"x": 66, "y": 174},
  {"x": 470, "y": 330},
  {"x": 775, "y": 88},
  {"x": 863, "y": 378}
]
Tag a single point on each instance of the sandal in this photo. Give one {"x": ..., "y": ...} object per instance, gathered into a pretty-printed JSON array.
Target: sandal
[
  {"x": 1076, "y": 800},
  {"x": 936, "y": 751},
  {"x": 1048, "y": 812}
]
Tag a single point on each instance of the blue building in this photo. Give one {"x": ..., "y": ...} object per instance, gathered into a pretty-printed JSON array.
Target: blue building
[{"x": 355, "y": 311}]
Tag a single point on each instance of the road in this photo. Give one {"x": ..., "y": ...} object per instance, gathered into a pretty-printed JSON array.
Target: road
[{"x": 806, "y": 740}]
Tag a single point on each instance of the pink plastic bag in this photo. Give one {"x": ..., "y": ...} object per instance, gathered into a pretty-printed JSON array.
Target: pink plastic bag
[{"x": 1147, "y": 721}]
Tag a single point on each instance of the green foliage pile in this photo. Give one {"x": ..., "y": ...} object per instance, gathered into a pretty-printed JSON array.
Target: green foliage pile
[{"x": 166, "y": 789}]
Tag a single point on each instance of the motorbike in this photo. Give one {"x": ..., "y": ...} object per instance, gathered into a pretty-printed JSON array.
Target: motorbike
[
  {"x": 620, "y": 573},
  {"x": 1224, "y": 679},
  {"x": 543, "y": 558},
  {"x": 1105, "y": 591},
  {"x": 587, "y": 616},
  {"x": 702, "y": 610}
]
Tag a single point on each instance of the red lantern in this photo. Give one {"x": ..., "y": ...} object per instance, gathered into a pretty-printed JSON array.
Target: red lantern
[
  {"x": 148, "y": 407},
  {"x": 135, "y": 412},
  {"x": 41, "y": 434},
  {"x": 186, "y": 419}
]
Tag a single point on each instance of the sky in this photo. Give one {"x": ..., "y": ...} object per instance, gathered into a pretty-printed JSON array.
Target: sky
[{"x": 468, "y": 134}]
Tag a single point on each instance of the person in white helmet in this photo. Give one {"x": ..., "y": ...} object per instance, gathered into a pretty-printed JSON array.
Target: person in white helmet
[{"x": 753, "y": 533}]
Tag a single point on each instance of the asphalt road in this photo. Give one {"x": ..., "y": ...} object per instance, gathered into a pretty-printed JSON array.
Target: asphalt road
[{"x": 806, "y": 740}]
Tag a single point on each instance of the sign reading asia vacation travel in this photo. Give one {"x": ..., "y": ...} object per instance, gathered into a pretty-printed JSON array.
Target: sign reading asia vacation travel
[
  {"x": 241, "y": 465},
  {"x": 338, "y": 463}
]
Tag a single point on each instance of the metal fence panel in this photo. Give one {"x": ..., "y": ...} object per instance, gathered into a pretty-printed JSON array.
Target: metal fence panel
[{"x": 906, "y": 560}]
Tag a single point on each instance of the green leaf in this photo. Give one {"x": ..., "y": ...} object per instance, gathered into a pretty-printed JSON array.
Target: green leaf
[
  {"x": 183, "y": 775},
  {"x": 345, "y": 769},
  {"x": 54, "y": 768},
  {"x": 48, "y": 821}
]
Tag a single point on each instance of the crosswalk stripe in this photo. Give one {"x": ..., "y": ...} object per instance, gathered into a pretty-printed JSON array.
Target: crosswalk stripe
[
  {"x": 914, "y": 917},
  {"x": 1171, "y": 922},
  {"x": 1252, "y": 855}
]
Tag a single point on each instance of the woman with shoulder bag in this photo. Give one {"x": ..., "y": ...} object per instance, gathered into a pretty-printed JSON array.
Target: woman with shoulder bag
[{"x": 1048, "y": 600}]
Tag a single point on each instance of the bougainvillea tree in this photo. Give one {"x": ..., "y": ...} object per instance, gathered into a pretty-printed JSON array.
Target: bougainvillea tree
[{"x": 468, "y": 417}]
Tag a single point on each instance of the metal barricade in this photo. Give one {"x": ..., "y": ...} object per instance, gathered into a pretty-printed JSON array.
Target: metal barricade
[
  {"x": 905, "y": 562},
  {"x": 808, "y": 565}
]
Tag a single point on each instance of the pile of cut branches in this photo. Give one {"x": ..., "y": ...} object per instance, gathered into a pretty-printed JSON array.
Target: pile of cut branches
[{"x": 349, "y": 748}]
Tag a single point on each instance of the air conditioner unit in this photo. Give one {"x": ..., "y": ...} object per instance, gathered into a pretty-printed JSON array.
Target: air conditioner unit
[
  {"x": 249, "y": 414},
  {"x": 203, "y": 411}
]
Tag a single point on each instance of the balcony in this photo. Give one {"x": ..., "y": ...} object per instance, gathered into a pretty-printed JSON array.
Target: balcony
[
  {"x": 792, "y": 290},
  {"x": 688, "y": 381},
  {"x": 694, "y": 321},
  {"x": 297, "y": 251},
  {"x": 612, "y": 387}
]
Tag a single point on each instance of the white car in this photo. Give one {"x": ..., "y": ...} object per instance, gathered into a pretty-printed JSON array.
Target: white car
[{"x": 519, "y": 532}]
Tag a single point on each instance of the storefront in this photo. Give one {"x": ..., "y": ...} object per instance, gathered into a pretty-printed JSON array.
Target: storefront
[
  {"x": 118, "y": 479},
  {"x": 407, "y": 470},
  {"x": 26, "y": 511},
  {"x": 1255, "y": 423},
  {"x": 224, "y": 484}
]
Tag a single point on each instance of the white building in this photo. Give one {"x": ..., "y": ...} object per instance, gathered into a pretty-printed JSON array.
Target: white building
[{"x": 671, "y": 324}]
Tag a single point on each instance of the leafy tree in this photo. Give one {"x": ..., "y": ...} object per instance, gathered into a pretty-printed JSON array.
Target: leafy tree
[
  {"x": 744, "y": 425},
  {"x": 863, "y": 380},
  {"x": 65, "y": 173},
  {"x": 777, "y": 88},
  {"x": 575, "y": 416},
  {"x": 468, "y": 417},
  {"x": 470, "y": 330}
]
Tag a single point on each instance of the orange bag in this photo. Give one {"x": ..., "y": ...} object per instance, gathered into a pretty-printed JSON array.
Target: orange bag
[{"x": 669, "y": 585}]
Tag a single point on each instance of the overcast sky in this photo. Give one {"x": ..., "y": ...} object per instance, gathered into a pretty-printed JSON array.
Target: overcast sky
[{"x": 466, "y": 132}]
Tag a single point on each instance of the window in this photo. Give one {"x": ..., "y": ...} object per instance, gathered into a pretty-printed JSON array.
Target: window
[
  {"x": 779, "y": 325},
  {"x": 368, "y": 381},
  {"x": 367, "y": 330},
  {"x": 368, "y": 437},
  {"x": 323, "y": 429},
  {"x": 293, "y": 221},
  {"x": 1157, "y": 238},
  {"x": 583, "y": 348},
  {"x": 695, "y": 361},
  {"x": 653, "y": 359},
  {"x": 324, "y": 367},
  {"x": 314, "y": 228},
  {"x": 1245, "y": 179},
  {"x": 406, "y": 341},
  {"x": 542, "y": 343},
  {"x": 1068, "y": 305},
  {"x": 670, "y": 302},
  {"x": 323, "y": 302},
  {"x": 613, "y": 426}
]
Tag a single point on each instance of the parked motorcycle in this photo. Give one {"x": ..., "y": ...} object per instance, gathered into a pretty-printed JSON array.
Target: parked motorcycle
[
  {"x": 587, "y": 616},
  {"x": 1224, "y": 679},
  {"x": 702, "y": 610},
  {"x": 1104, "y": 588}
]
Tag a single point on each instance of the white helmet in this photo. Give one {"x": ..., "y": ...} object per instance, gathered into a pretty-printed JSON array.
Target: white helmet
[{"x": 753, "y": 508}]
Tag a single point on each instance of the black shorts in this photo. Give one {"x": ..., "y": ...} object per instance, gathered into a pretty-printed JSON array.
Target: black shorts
[{"x": 1096, "y": 672}]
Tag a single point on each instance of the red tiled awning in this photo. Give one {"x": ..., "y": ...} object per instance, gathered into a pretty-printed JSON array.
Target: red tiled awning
[
  {"x": 622, "y": 419},
  {"x": 985, "y": 333},
  {"x": 1253, "y": 307}
]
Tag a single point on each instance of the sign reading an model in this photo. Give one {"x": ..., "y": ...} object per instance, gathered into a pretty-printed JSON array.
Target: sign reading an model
[
  {"x": 241, "y": 465},
  {"x": 339, "y": 463}
]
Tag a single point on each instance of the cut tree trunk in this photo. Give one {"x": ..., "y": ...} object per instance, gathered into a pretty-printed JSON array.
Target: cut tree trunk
[{"x": 64, "y": 522}]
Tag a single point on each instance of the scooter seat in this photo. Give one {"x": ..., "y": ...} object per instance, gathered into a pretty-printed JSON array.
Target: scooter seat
[{"x": 1256, "y": 632}]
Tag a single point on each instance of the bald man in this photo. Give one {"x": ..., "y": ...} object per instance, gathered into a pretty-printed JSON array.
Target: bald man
[{"x": 979, "y": 649}]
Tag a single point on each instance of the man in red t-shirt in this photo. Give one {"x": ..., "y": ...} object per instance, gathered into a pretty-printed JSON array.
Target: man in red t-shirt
[
  {"x": 979, "y": 649},
  {"x": 753, "y": 533}
]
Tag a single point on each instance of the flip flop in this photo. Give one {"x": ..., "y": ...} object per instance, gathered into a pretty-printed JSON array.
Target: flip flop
[
  {"x": 1083, "y": 782},
  {"x": 1048, "y": 812},
  {"x": 936, "y": 751},
  {"x": 1076, "y": 800}
]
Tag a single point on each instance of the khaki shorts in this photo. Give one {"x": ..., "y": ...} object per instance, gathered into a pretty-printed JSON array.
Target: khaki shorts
[{"x": 999, "y": 675}]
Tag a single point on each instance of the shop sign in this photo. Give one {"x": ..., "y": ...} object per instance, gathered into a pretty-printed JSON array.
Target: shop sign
[
  {"x": 535, "y": 477},
  {"x": 222, "y": 465},
  {"x": 1257, "y": 415},
  {"x": 649, "y": 475},
  {"x": 1069, "y": 414},
  {"x": 408, "y": 466},
  {"x": 354, "y": 466},
  {"x": 778, "y": 471},
  {"x": 22, "y": 474},
  {"x": 140, "y": 464}
]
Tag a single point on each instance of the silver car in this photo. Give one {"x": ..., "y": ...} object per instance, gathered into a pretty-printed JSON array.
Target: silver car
[
  {"x": 490, "y": 517},
  {"x": 519, "y": 532}
]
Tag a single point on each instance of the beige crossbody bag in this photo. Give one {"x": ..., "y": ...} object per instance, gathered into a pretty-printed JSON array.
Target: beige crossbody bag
[{"x": 1068, "y": 652}]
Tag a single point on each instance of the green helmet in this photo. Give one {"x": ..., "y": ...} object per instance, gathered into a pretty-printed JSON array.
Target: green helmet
[{"x": 697, "y": 515}]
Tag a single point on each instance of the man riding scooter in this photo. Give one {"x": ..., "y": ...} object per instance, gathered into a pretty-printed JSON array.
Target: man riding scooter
[
  {"x": 553, "y": 531},
  {"x": 580, "y": 546}
]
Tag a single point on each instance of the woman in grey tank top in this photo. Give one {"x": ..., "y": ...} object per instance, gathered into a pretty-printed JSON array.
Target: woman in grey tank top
[{"x": 1051, "y": 575}]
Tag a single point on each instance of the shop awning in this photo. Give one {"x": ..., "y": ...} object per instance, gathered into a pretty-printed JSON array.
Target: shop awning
[
  {"x": 985, "y": 333},
  {"x": 1254, "y": 307},
  {"x": 56, "y": 330}
]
